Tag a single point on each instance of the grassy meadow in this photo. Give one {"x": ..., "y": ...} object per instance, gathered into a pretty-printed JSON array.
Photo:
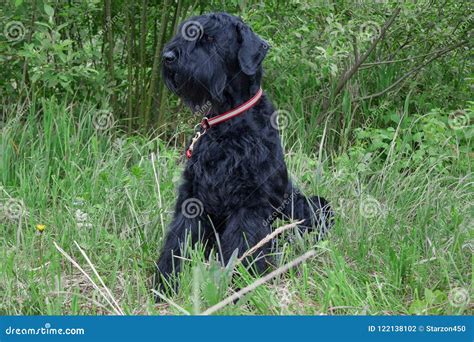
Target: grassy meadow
[
  {"x": 402, "y": 243},
  {"x": 86, "y": 193}
]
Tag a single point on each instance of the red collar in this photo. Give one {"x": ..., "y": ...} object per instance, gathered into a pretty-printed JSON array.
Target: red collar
[{"x": 216, "y": 120}]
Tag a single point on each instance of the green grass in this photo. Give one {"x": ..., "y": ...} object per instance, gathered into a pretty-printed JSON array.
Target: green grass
[{"x": 402, "y": 242}]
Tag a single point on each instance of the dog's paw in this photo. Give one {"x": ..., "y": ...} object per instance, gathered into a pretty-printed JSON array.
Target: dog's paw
[{"x": 323, "y": 215}]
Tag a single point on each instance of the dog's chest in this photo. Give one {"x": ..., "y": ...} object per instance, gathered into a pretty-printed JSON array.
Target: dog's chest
[{"x": 224, "y": 172}]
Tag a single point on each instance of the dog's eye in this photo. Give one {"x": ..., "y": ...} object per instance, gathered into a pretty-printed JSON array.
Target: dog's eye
[{"x": 207, "y": 38}]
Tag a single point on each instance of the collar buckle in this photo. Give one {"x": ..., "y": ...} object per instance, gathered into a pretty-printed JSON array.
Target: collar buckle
[
  {"x": 197, "y": 136},
  {"x": 205, "y": 123}
]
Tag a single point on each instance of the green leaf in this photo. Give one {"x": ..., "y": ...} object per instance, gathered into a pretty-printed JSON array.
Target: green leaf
[
  {"x": 18, "y": 3},
  {"x": 44, "y": 24},
  {"x": 395, "y": 117},
  {"x": 137, "y": 171},
  {"x": 49, "y": 10}
]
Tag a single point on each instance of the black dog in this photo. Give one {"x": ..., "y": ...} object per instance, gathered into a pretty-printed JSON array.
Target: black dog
[{"x": 235, "y": 183}]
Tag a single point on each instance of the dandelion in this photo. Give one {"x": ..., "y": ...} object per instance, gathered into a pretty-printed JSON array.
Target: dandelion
[{"x": 40, "y": 228}]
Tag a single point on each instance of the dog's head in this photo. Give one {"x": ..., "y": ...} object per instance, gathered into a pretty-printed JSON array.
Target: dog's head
[{"x": 209, "y": 55}]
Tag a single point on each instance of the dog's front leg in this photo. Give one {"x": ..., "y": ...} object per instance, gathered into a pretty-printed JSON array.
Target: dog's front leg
[
  {"x": 184, "y": 226},
  {"x": 245, "y": 228}
]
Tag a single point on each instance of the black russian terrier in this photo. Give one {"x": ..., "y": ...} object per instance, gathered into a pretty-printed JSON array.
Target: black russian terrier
[{"x": 235, "y": 183}]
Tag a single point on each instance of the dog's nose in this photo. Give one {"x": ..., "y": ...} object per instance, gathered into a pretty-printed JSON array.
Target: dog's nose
[{"x": 169, "y": 56}]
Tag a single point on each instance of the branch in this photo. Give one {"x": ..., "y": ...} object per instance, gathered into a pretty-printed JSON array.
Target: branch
[
  {"x": 356, "y": 51},
  {"x": 267, "y": 239},
  {"x": 369, "y": 65},
  {"x": 258, "y": 282},
  {"x": 411, "y": 72},
  {"x": 347, "y": 76},
  {"x": 28, "y": 40},
  {"x": 349, "y": 73}
]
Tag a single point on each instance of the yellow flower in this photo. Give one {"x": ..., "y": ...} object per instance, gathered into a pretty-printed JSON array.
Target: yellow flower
[{"x": 40, "y": 227}]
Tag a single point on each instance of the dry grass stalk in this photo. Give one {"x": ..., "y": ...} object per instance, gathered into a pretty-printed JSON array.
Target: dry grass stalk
[{"x": 258, "y": 282}]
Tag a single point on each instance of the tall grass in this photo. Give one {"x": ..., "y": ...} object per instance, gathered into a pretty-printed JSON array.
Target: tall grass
[{"x": 402, "y": 242}]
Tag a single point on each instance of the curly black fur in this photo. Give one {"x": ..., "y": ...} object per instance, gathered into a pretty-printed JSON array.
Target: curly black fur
[{"x": 237, "y": 172}]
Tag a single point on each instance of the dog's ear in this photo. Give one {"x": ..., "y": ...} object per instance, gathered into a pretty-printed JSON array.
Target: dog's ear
[{"x": 252, "y": 49}]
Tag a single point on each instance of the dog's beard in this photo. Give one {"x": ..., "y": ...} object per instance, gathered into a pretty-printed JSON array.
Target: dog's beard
[{"x": 195, "y": 92}]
